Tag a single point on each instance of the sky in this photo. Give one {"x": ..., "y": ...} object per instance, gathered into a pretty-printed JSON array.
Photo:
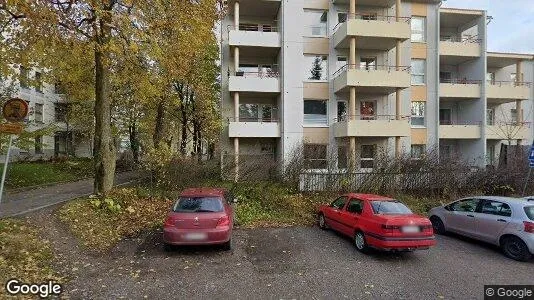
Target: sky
[{"x": 512, "y": 27}]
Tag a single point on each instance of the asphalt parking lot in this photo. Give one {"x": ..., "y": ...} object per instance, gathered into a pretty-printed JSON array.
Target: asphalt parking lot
[{"x": 294, "y": 263}]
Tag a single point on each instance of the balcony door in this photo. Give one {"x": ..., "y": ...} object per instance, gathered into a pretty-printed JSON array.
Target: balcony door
[
  {"x": 368, "y": 63},
  {"x": 445, "y": 116}
]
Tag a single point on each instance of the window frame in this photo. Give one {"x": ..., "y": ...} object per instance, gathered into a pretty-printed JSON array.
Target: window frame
[
  {"x": 413, "y": 73},
  {"x": 38, "y": 147},
  {"x": 315, "y": 159},
  {"x": 318, "y": 124},
  {"x": 309, "y": 31},
  {"x": 418, "y": 31},
  {"x": 39, "y": 112},
  {"x": 365, "y": 60},
  {"x": 452, "y": 205},
  {"x": 500, "y": 214},
  {"x": 337, "y": 199},
  {"x": 324, "y": 58},
  {"x": 367, "y": 159},
  {"x": 416, "y": 116},
  {"x": 362, "y": 205},
  {"x": 342, "y": 117},
  {"x": 39, "y": 82},
  {"x": 422, "y": 151}
]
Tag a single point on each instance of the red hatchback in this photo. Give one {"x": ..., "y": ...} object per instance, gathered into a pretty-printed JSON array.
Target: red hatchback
[
  {"x": 201, "y": 216},
  {"x": 377, "y": 222}
]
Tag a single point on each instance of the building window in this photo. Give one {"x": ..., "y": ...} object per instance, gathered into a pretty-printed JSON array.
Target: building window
[
  {"x": 267, "y": 149},
  {"x": 316, "y": 22},
  {"x": 445, "y": 152},
  {"x": 39, "y": 112},
  {"x": 39, "y": 144},
  {"x": 367, "y": 110},
  {"x": 23, "y": 77},
  {"x": 417, "y": 151},
  {"x": 513, "y": 77},
  {"x": 315, "y": 112},
  {"x": 367, "y": 159},
  {"x": 368, "y": 63},
  {"x": 513, "y": 115},
  {"x": 342, "y": 17},
  {"x": 256, "y": 113},
  {"x": 316, "y": 67},
  {"x": 490, "y": 116},
  {"x": 341, "y": 110},
  {"x": 38, "y": 82},
  {"x": 341, "y": 63},
  {"x": 60, "y": 110},
  {"x": 315, "y": 156},
  {"x": 342, "y": 157},
  {"x": 418, "y": 71},
  {"x": 248, "y": 27},
  {"x": 445, "y": 77},
  {"x": 445, "y": 116},
  {"x": 418, "y": 113},
  {"x": 490, "y": 155},
  {"x": 418, "y": 29}
]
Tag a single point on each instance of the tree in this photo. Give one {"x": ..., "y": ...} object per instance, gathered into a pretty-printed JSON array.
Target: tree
[
  {"x": 317, "y": 69},
  {"x": 83, "y": 43}
]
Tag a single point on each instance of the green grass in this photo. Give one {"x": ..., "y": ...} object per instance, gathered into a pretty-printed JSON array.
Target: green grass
[{"x": 27, "y": 174}]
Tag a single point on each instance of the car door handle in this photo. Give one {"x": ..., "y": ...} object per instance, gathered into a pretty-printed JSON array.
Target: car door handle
[
  {"x": 471, "y": 216},
  {"x": 501, "y": 220}
]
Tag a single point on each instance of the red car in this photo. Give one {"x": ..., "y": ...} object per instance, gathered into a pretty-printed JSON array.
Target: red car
[
  {"x": 377, "y": 222},
  {"x": 200, "y": 216}
]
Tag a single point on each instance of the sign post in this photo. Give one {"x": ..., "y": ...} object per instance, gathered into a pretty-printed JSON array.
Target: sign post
[
  {"x": 530, "y": 166},
  {"x": 14, "y": 111}
]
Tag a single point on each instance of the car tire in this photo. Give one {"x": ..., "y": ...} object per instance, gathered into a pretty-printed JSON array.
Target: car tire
[
  {"x": 168, "y": 247},
  {"x": 228, "y": 245},
  {"x": 515, "y": 248},
  {"x": 437, "y": 225},
  {"x": 360, "y": 243},
  {"x": 322, "y": 222}
]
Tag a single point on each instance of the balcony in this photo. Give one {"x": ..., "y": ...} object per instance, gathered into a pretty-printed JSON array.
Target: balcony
[
  {"x": 459, "y": 88},
  {"x": 460, "y": 130},
  {"x": 504, "y": 91},
  {"x": 372, "y": 126},
  {"x": 509, "y": 131},
  {"x": 260, "y": 82},
  {"x": 459, "y": 50},
  {"x": 372, "y": 31},
  {"x": 382, "y": 80},
  {"x": 379, "y": 3},
  {"x": 255, "y": 128},
  {"x": 254, "y": 36}
]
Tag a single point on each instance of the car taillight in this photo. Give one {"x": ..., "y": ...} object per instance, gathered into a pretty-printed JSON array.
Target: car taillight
[
  {"x": 529, "y": 226},
  {"x": 223, "y": 221},
  {"x": 169, "y": 222}
]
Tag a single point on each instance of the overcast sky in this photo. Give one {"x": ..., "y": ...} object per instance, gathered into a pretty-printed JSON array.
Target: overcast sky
[{"x": 512, "y": 27}]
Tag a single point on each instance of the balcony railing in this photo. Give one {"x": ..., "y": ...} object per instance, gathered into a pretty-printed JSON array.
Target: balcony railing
[
  {"x": 459, "y": 81},
  {"x": 254, "y": 27},
  {"x": 509, "y": 83},
  {"x": 257, "y": 74},
  {"x": 371, "y": 117},
  {"x": 460, "y": 122},
  {"x": 470, "y": 39},
  {"x": 373, "y": 17},
  {"x": 272, "y": 119},
  {"x": 370, "y": 68}
]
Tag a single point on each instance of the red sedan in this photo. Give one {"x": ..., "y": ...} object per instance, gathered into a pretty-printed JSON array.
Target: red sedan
[
  {"x": 200, "y": 216},
  {"x": 377, "y": 222}
]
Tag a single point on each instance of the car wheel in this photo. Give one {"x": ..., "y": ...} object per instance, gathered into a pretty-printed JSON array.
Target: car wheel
[
  {"x": 228, "y": 245},
  {"x": 322, "y": 222},
  {"x": 515, "y": 248},
  {"x": 437, "y": 225},
  {"x": 168, "y": 247},
  {"x": 360, "y": 243}
]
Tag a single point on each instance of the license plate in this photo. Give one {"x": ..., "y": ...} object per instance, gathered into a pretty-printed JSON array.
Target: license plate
[
  {"x": 410, "y": 229},
  {"x": 195, "y": 236}
]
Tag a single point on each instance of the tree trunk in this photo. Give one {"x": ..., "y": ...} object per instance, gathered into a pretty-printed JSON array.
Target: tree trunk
[
  {"x": 104, "y": 146},
  {"x": 158, "y": 130},
  {"x": 134, "y": 141},
  {"x": 183, "y": 142}
]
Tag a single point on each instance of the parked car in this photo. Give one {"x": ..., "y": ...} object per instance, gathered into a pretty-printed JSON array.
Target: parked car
[
  {"x": 377, "y": 222},
  {"x": 502, "y": 221},
  {"x": 200, "y": 216}
]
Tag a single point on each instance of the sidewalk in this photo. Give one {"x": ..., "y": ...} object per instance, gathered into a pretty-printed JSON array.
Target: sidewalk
[{"x": 27, "y": 201}]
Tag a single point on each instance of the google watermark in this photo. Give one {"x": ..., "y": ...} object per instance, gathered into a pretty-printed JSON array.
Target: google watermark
[
  {"x": 15, "y": 287},
  {"x": 524, "y": 292}
]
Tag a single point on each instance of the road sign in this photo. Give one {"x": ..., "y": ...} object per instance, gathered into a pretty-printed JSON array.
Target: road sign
[
  {"x": 11, "y": 128},
  {"x": 15, "y": 110}
]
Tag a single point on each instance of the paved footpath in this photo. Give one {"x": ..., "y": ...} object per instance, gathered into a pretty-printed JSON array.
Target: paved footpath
[{"x": 31, "y": 200}]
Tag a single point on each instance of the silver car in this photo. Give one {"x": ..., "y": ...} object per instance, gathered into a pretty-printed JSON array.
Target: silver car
[{"x": 502, "y": 221}]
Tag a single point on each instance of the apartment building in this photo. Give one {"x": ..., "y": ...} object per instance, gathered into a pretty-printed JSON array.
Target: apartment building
[
  {"x": 48, "y": 109},
  {"x": 343, "y": 81}
]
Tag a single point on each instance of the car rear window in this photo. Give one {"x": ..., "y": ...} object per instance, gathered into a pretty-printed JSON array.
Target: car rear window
[
  {"x": 390, "y": 208},
  {"x": 198, "y": 204},
  {"x": 529, "y": 210}
]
